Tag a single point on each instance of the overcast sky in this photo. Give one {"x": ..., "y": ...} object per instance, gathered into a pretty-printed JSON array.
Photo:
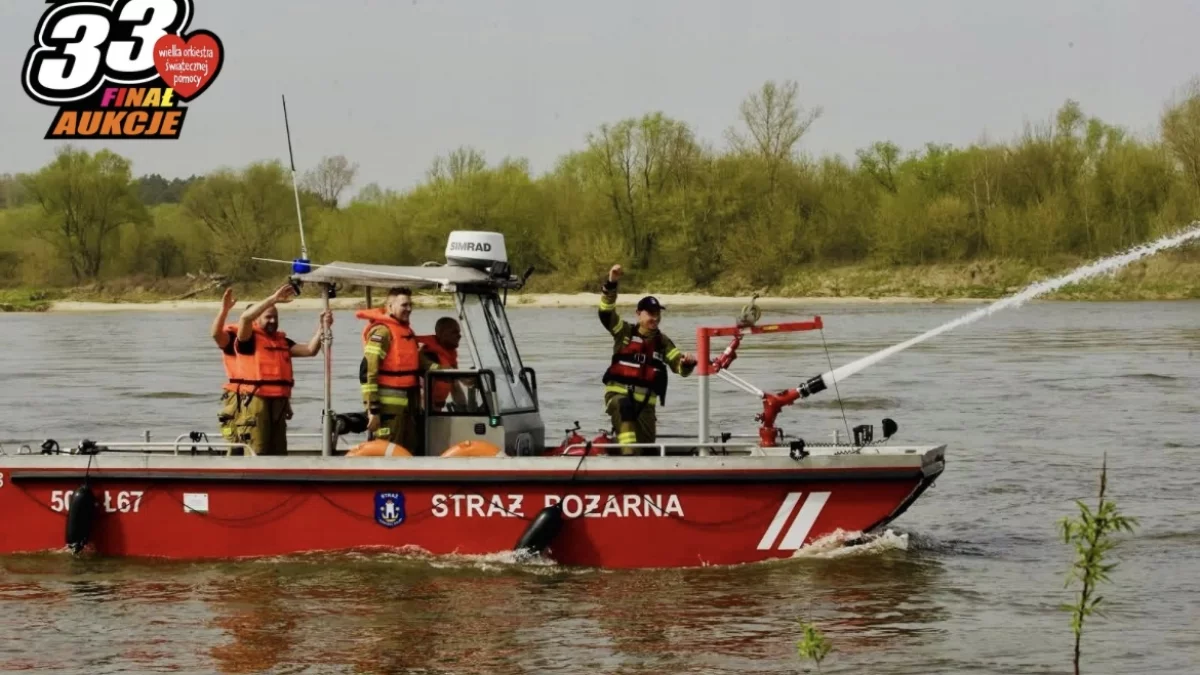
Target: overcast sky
[{"x": 393, "y": 84}]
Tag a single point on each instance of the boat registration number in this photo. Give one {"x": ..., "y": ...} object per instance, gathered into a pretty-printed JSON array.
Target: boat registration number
[{"x": 122, "y": 502}]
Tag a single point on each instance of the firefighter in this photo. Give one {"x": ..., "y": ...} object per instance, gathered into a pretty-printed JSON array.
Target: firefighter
[
  {"x": 442, "y": 348},
  {"x": 225, "y": 335},
  {"x": 636, "y": 380},
  {"x": 266, "y": 353},
  {"x": 390, "y": 371}
]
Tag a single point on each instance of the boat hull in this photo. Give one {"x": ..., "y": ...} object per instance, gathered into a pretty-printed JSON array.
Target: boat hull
[{"x": 617, "y": 512}]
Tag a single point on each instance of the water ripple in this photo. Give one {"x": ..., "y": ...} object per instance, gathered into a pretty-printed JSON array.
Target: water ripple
[{"x": 1028, "y": 403}]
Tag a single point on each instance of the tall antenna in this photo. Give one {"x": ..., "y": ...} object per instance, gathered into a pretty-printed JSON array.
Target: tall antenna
[{"x": 301, "y": 264}]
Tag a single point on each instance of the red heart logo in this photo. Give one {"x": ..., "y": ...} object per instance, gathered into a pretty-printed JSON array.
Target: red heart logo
[{"x": 188, "y": 65}]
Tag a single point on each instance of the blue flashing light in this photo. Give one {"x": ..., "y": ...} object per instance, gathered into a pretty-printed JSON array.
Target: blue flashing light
[{"x": 301, "y": 266}]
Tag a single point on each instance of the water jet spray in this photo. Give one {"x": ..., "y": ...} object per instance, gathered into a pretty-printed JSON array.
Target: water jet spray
[
  {"x": 1110, "y": 264},
  {"x": 774, "y": 402}
]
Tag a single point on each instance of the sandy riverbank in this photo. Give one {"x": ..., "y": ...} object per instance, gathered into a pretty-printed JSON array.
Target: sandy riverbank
[{"x": 540, "y": 300}]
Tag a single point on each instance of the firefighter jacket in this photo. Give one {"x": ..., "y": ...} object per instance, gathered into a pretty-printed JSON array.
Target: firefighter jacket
[
  {"x": 640, "y": 361},
  {"x": 392, "y": 361}
]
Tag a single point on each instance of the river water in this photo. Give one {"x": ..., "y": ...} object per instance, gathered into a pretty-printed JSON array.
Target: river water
[{"x": 968, "y": 581}]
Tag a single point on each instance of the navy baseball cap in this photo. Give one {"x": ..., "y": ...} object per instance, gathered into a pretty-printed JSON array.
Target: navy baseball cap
[{"x": 649, "y": 304}]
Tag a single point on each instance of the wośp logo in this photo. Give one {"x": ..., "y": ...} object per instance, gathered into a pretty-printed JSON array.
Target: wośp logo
[{"x": 119, "y": 69}]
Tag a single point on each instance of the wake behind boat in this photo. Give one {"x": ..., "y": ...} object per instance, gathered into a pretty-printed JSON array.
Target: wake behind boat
[{"x": 485, "y": 479}]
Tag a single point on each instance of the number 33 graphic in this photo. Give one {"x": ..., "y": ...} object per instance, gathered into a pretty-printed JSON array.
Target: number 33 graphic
[{"x": 82, "y": 43}]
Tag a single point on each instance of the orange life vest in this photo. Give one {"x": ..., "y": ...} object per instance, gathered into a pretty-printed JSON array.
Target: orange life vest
[
  {"x": 445, "y": 359},
  {"x": 269, "y": 370},
  {"x": 401, "y": 365},
  {"x": 233, "y": 363},
  {"x": 639, "y": 363}
]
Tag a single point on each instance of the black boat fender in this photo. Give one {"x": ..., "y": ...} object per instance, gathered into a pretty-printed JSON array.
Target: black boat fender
[
  {"x": 542, "y": 530},
  {"x": 81, "y": 516}
]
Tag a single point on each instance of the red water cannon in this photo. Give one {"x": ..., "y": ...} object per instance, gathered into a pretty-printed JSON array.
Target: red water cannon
[{"x": 772, "y": 403}]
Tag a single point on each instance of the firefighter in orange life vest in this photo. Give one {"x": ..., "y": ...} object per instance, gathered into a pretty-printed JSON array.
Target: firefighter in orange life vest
[
  {"x": 225, "y": 334},
  {"x": 442, "y": 349},
  {"x": 390, "y": 371},
  {"x": 266, "y": 355},
  {"x": 636, "y": 380}
]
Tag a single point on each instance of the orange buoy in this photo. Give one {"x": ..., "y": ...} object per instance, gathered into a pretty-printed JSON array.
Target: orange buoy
[
  {"x": 378, "y": 448},
  {"x": 472, "y": 449}
]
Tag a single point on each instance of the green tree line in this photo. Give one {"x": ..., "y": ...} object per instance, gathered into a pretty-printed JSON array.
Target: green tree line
[{"x": 645, "y": 191}]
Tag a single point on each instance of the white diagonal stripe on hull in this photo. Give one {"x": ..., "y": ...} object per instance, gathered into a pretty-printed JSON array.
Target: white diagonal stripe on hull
[
  {"x": 781, "y": 517},
  {"x": 805, "y": 519}
]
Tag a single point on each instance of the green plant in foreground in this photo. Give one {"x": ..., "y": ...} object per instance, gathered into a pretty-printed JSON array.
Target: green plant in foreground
[
  {"x": 1090, "y": 535},
  {"x": 813, "y": 645}
]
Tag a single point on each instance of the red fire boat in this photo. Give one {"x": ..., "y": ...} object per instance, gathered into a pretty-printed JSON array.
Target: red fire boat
[{"x": 486, "y": 481}]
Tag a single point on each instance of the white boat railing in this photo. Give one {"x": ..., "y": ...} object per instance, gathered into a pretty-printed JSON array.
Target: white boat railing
[
  {"x": 199, "y": 443},
  {"x": 704, "y": 447},
  {"x": 183, "y": 444}
]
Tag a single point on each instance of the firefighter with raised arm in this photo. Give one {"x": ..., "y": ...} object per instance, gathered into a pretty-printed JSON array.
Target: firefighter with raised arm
[
  {"x": 636, "y": 380},
  {"x": 265, "y": 363},
  {"x": 225, "y": 335}
]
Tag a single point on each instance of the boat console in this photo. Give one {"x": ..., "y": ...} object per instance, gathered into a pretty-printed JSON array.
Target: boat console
[{"x": 496, "y": 401}]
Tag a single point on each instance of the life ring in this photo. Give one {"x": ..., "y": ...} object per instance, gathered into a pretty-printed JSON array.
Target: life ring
[
  {"x": 378, "y": 448},
  {"x": 472, "y": 449}
]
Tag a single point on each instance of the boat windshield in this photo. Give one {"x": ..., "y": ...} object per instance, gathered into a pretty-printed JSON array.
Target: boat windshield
[{"x": 492, "y": 337}]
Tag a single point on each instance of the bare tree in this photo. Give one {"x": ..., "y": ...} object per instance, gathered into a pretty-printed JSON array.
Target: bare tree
[
  {"x": 458, "y": 164},
  {"x": 637, "y": 165},
  {"x": 331, "y": 177},
  {"x": 1181, "y": 131},
  {"x": 774, "y": 123},
  {"x": 881, "y": 161}
]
